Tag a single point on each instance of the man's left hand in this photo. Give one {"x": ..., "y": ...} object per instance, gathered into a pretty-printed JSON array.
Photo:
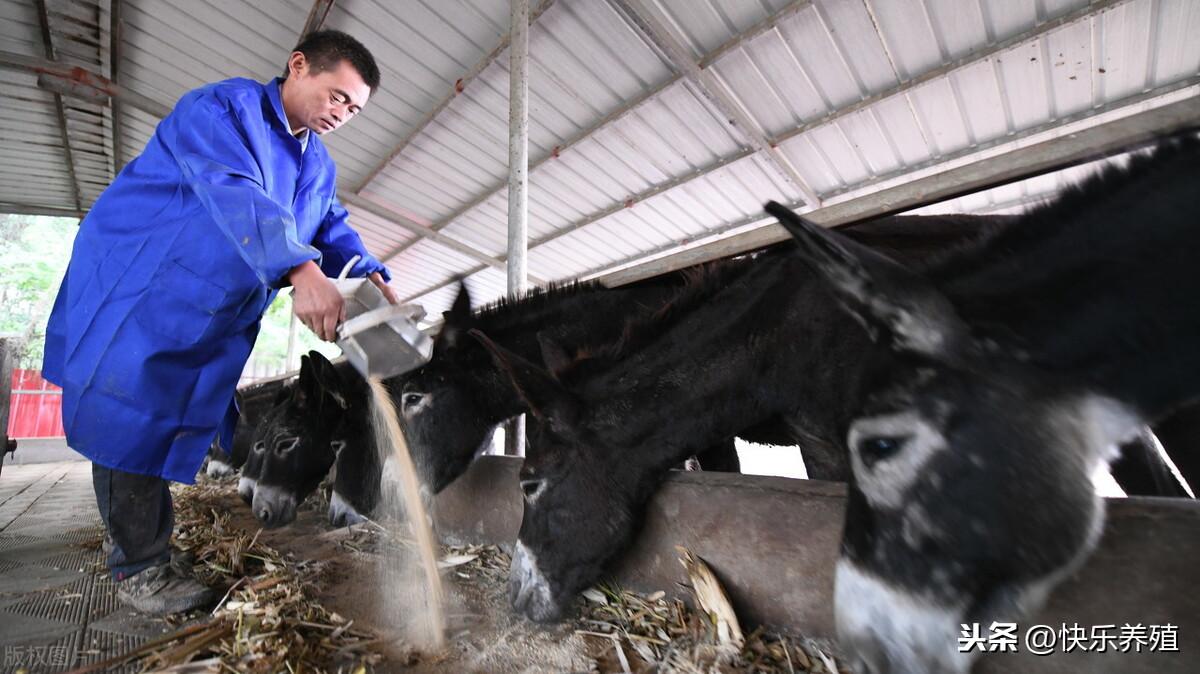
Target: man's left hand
[{"x": 387, "y": 291}]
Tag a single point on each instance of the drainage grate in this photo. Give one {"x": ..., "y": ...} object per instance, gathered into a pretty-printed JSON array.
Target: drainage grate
[
  {"x": 68, "y": 604},
  {"x": 103, "y": 600},
  {"x": 9, "y": 541},
  {"x": 55, "y": 656},
  {"x": 98, "y": 645},
  {"x": 87, "y": 535},
  {"x": 77, "y": 560}
]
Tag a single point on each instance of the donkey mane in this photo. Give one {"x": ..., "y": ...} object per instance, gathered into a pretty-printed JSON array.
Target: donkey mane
[
  {"x": 498, "y": 314},
  {"x": 1094, "y": 282},
  {"x": 1061, "y": 215},
  {"x": 699, "y": 282}
]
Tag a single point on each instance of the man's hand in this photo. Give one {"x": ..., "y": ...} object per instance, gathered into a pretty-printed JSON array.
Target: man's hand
[
  {"x": 316, "y": 300},
  {"x": 387, "y": 291}
]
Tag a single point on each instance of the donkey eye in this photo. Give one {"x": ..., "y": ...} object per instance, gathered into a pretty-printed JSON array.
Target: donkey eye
[
  {"x": 286, "y": 445},
  {"x": 260, "y": 447},
  {"x": 411, "y": 400},
  {"x": 531, "y": 488},
  {"x": 878, "y": 448}
]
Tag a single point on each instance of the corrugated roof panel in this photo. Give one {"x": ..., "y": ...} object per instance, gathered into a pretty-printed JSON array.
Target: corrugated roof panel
[
  {"x": 814, "y": 167},
  {"x": 482, "y": 228},
  {"x": 843, "y": 160},
  {"x": 854, "y": 33},
  {"x": 424, "y": 265},
  {"x": 758, "y": 84},
  {"x": 436, "y": 302},
  {"x": 819, "y": 57},
  {"x": 551, "y": 261},
  {"x": 703, "y": 27},
  {"x": 765, "y": 181},
  {"x": 1178, "y": 49},
  {"x": 867, "y": 136},
  {"x": 905, "y": 27},
  {"x": 980, "y": 93},
  {"x": 421, "y": 54},
  {"x": 1023, "y": 75},
  {"x": 20, "y": 29},
  {"x": 1071, "y": 67},
  {"x": 958, "y": 26},
  {"x": 33, "y": 167},
  {"x": 1125, "y": 53},
  {"x": 1009, "y": 17},
  {"x": 137, "y": 128},
  {"x": 379, "y": 235},
  {"x": 941, "y": 116}
]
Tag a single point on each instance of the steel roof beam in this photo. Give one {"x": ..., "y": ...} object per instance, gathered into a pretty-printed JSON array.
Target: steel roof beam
[
  {"x": 114, "y": 73},
  {"x": 316, "y": 17},
  {"x": 949, "y": 176},
  {"x": 459, "y": 86},
  {"x": 667, "y": 41},
  {"x": 1010, "y": 158},
  {"x": 30, "y": 209},
  {"x": 619, "y": 113},
  {"x": 60, "y": 109},
  {"x": 75, "y": 76},
  {"x": 381, "y": 211}
]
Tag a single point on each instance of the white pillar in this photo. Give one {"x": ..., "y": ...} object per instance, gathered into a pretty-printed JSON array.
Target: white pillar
[{"x": 518, "y": 175}]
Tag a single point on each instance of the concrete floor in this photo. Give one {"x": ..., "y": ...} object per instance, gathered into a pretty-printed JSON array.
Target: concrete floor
[
  {"x": 41, "y": 450},
  {"x": 58, "y": 607}
]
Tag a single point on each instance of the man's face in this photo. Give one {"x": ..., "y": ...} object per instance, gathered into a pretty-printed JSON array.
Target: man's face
[{"x": 322, "y": 101}]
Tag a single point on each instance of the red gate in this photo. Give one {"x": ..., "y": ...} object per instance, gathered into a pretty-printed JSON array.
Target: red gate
[{"x": 36, "y": 407}]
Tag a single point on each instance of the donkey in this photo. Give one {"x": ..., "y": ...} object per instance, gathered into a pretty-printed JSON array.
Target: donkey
[
  {"x": 1029, "y": 356},
  {"x": 295, "y": 444},
  {"x": 323, "y": 423},
  {"x": 471, "y": 396},
  {"x": 452, "y": 405},
  {"x": 604, "y": 430}
]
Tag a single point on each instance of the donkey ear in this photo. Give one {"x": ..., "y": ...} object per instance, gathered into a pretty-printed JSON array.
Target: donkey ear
[
  {"x": 456, "y": 321},
  {"x": 329, "y": 381},
  {"x": 306, "y": 383},
  {"x": 546, "y": 398},
  {"x": 891, "y": 301},
  {"x": 553, "y": 356}
]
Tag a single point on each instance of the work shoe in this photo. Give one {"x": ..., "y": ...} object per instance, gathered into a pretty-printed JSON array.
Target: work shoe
[
  {"x": 181, "y": 560},
  {"x": 163, "y": 590}
]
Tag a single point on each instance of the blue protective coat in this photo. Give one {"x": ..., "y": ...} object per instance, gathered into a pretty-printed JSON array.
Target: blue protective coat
[{"x": 172, "y": 270}]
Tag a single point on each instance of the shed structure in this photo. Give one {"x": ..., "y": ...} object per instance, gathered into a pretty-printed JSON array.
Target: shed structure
[{"x": 657, "y": 128}]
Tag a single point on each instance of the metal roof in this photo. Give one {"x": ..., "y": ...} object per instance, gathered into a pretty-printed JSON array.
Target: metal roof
[{"x": 656, "y": 126}]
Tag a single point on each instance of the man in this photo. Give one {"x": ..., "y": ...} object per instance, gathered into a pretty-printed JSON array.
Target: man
[{"x": 172, "y": 269}]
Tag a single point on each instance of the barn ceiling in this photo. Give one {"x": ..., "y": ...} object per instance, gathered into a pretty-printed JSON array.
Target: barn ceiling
[{"x": 657, "y": 127}]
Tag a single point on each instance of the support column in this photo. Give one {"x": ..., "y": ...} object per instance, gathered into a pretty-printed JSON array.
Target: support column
[
  {"x": 6, "y": 445},
  {"x": 518, "y": 176}
]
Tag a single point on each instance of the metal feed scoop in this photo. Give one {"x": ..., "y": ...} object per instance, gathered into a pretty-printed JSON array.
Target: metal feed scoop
[{"x": 379, "y": 339}]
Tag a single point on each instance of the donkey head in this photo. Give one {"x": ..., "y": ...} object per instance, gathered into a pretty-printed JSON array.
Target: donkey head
[
  {"x": 971, "y": 493},
  {"x": 580, "y": 507},
  {"x": 444, "y": 404},
  {"x": 243, "y": 441},
  {"x": 292, "y": 445}
]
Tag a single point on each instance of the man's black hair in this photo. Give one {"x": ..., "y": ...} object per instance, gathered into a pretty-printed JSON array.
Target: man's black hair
[{"x": 324, "y": 49}]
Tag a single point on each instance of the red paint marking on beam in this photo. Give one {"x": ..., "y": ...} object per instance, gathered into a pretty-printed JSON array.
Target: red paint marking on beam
[{"x": 81, "y": 76}]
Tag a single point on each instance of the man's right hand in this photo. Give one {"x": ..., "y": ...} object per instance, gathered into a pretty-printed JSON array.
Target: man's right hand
[{"x": 316, "y": 300}]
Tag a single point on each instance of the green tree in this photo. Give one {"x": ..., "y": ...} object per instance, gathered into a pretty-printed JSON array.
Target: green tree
[{"x": 34, "y": 251}]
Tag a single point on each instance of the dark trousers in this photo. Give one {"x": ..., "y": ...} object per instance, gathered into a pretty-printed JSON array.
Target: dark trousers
[{"x": 138, "y": 514}]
